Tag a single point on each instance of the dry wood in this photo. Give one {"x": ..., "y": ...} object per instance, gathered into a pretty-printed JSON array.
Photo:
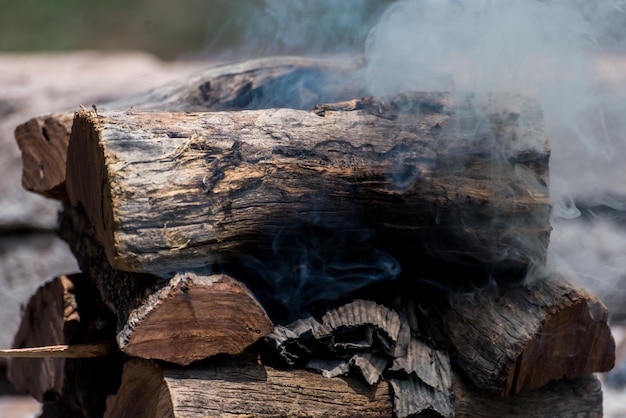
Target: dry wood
[
  {"x": 237, "y": 387},
  {"x": 61, "y": 351},
  {"x": 229, "y": 388},
  {"x": 266, "y": 82},
  {"x": 524, "y": 337},
  {"x": 457, "y": 180},
  {"x": 43, "y": 142},
  {"x": 375, "y": 341},
  {"x": 184, "y": 318},
  {"x": 63, "y": 325}
]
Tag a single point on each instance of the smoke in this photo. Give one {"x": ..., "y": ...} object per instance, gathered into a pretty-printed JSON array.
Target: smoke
[
  {"x": 315, "y": 264},
  {"x": 546, "y": 49},
  {"x": 564, "y": 53},
  {"x": 312, "y": 27}
]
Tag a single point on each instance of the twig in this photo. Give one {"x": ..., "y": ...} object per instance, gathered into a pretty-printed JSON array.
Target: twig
[{"x": 61, "y": 351}]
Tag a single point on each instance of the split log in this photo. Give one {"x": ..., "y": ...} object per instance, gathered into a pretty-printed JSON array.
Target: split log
[
  {"x": 184, "y": 318},
  {"x": 66, "y": 311},
  {"x": 236, "y": 387},
  {"x": 525, "y": 337},
  {"x": 458, "y": 181},
  {"x": 267, "y": 82}
]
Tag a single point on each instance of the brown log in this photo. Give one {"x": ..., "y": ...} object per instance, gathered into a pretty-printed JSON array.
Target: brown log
[
  {"x": 522, "y": 338},
  {"x": 180, "y": 319},
  {"x": 43, "y": 142},
  {"x": 426, "y": 173},
  {"x": 236, "y": 387},
  {"x": 228, "y": 388},
  {"x": 251, "y": 84},
  {"x": 66, "y": 313}
]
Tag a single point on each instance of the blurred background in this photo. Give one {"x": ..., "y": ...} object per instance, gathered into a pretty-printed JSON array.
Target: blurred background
[{"x": 187, "y": 29}]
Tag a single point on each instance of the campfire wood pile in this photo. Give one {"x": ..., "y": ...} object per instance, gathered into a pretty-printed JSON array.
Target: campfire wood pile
[{"x": 259, "y": 240}]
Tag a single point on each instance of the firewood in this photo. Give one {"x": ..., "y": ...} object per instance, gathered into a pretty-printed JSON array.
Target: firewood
[
  {"x": 43, "y": 142},
  {"x": 180, "y": 319},
  {"x": 522, "y": 338},
  {"x": 66, "y": 313},
  {"x": 432, "y": 177},
  {"x": 242, "y": 387},
  {"x": 232, "y": 387},
  {"x": 251, "y": 84}
]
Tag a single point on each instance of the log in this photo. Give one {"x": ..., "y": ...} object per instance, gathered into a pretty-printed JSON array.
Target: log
[
  {"x": 43, "y": 142},
  {"x": 266, "y": 82},
  {"x": 228, "y": 388},
  {"x": 66, "y": 313},
  {"x": 181, "y": 319},
  {"x": 427, "y": 176},
  {"x": 522, "y": 338},
  {"x": 237, "y": 387},
  {"x": 581, "y": 398}
]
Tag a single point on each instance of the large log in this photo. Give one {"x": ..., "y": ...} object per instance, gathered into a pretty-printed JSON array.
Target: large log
[
  {"x": 459, "y": 181},
  {"x": 66, "y": 311},
  {"x": 522, "y": 338},
  {"x": 266, "y": 82},
  {"x": 236, "y": 387},
  {"x": 181, "y": 319}
]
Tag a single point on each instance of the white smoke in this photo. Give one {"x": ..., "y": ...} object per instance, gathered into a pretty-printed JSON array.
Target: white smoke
[
  {"x": 546, "y": 49},
  {"x": 561, "y": 52}
]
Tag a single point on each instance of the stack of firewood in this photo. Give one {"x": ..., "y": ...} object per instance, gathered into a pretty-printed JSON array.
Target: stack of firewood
[{"x": 257, "y": 240}]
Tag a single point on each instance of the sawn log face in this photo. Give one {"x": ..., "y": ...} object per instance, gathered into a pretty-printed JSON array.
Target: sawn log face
[{"x": 427, "y": 174}]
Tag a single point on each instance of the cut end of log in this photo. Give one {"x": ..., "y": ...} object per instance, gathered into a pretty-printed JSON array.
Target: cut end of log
[
  {"x": 574, "y": 341},
  {"x": 85, "y": 191},
  {"x": 43, "y": 142},
  {"x": 195, "y": 317}
]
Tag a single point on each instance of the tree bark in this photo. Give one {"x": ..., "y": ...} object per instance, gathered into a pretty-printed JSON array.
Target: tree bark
[
  {"x": 457, "y": 181},
  {"x": 525, "y": 337},
  {"x": 267, "y": 82},
  {"x": 66, "y": 311},
  {"x": 236, "y": 387},
  {"x": 181, "y": 319}
]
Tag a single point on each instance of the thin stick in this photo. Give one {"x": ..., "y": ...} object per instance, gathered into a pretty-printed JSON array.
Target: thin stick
[{"x": 61, "y": 351}]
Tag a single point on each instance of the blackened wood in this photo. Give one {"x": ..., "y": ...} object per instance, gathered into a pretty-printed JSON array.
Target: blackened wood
[
  {"x": 522, "y": 338},
  {"x": 267, "y": 82},
  {"x": 457, "y": 180}
]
